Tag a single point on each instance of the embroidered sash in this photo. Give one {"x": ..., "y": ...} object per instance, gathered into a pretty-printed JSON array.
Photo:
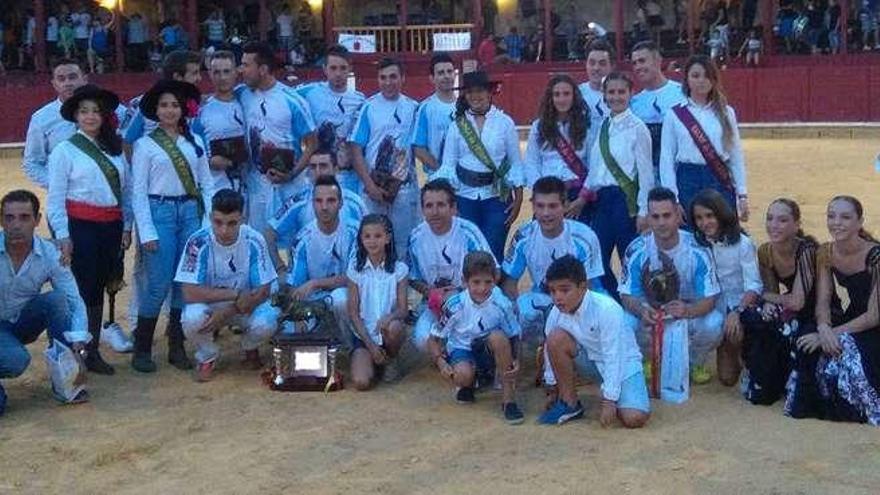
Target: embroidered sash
[
  {"x": 499, "y": 185},
  {"x": 716, "y": 165},
  {"x": 181, "y": 166},
  {"x": 630, "y": 187},
  {"x": 571, "y": 159},
  {"x": 107, "y": 168}
]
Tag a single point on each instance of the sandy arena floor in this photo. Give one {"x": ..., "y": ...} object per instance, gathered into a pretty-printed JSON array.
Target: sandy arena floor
[{"x": 166, "y": 434}]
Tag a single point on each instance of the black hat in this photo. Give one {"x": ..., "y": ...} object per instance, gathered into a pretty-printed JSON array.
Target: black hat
[
  {"x": 107, "y": 101},
  {"x": 477, "y": 79},
  {"x": 184, "y": 91}
]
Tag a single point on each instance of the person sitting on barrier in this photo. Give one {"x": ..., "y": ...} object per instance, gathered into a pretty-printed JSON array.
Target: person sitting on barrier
[{"x": 225, "y": 274}]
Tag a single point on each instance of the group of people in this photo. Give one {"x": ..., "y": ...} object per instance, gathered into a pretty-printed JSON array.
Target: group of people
[{"x": 314, "y": 190}]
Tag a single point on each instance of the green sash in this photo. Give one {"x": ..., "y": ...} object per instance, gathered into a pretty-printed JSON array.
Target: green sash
[
  {"x": 474, "y": 143},
  {"x": 110, "y": 172},
  {"x": 180, "y": 165},
  {"x": 630, "y": 187}
]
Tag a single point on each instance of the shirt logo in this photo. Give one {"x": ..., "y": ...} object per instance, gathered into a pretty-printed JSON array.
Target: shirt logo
[{"x": 231, "y": 264}]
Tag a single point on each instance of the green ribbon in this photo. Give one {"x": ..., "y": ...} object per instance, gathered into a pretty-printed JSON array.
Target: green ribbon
[
  {"x": 500, "y": 185},
  {"x": 107, "y": 168},
  {"x": 180, "y": 165},
  {"x": 630, "y": 187}
]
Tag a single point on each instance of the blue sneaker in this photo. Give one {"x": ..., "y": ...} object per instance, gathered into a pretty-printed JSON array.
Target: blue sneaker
[
  {"x": 560, "y": 413},
  {"x": 512, "y": 413}
]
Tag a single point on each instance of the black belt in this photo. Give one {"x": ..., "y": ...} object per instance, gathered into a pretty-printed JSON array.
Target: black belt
[
  {"x": 173, "y": 199},
  {"x": 474, "y": 179}
]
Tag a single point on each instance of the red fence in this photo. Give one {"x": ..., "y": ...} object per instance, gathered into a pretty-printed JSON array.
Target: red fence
[{"x": 818, "y": 93}]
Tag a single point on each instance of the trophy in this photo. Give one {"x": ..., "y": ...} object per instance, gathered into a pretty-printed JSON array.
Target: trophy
[
  {"x": 305, "y": 360},
  {"x": 280, "y": 159},
  {"x": 661, "y": 286},
  {"x": 233, "y": 149},
  {"x": 386, "y": 165}
]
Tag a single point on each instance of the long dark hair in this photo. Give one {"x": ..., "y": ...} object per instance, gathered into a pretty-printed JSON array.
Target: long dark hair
[
  {"x": 390, "y": 250},
  {"x": 108, "y": 139},
  {"x": 717, "y": 99},
  {"x": 188, "y": 135},
  {"x": 728, "y": 225},
  {"x": 860, "y": 211},
  {"x": 578, "y": 116}
]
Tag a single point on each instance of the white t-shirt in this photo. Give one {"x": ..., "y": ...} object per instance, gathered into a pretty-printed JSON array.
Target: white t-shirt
[
  {"x": 285, "y": 25},
  {"x": 435, "y": 257},
  {"x": 52, "y": 29},
  {"x": 317, "y": 255},
  {"x": 219, "y": 119},
  {"x": 386, "y": 125},
  {"x": 243, "y": 265},
  {"x": 377, "y": 291},
  {"x": 81, "y": 22},
  {"x": 464, "y": 320}
]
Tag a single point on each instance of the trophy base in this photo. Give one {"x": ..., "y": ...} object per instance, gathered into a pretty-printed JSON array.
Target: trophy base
[{"x": 301, "y": 383}]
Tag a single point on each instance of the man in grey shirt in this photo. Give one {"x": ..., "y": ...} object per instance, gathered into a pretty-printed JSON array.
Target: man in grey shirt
[{"x": 27, "y": 263}]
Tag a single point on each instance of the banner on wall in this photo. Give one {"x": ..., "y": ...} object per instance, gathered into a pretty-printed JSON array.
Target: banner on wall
[
  {"x": 358, "y": 43},
  {"x": 452, "y": 42}
]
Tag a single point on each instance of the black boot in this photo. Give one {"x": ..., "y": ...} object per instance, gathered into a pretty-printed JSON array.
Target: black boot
[
  {"x": 94, "y": 362},
  {"x": 142, "y": 359},
  {"x": 176, "y": 352}
]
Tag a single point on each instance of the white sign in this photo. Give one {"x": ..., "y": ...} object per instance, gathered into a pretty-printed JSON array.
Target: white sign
[
  {"x": 452, "y": 42},
  {"x": 358, "y": 43}
]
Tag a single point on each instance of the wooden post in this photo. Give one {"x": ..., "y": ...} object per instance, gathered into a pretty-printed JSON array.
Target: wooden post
[
  {"x": 262, "y": 21},
  {"x": 403, "y": 19},
  {"x": 619, "y": 28},
  {"x": 328, "y": 22},
  {"x": 40, "y": 37},
  {"x": 120, "y": 53},
  {"x": 844, "y": 21},
  {"x": 770, "y": 7},
  {"x": 549, "y": 35},
  {"x": 192, "y": 15},
  {"x": 477, "y": 15},
  {"x": 693, "y": 14}
]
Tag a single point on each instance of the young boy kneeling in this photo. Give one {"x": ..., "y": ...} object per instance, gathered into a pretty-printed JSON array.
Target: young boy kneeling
[
  {"x": 480, "y": 328},
  {"x": 585, "y": 330}
]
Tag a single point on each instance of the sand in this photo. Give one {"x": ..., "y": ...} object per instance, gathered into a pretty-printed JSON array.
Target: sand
[{"x": 166, "y": 434}]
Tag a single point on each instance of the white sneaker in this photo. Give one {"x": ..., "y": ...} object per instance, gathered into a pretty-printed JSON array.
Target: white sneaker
[{"x": 113, "y": 335}]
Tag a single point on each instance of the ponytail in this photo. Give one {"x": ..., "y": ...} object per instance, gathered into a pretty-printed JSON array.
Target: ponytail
[{"x": 187, "y": 134}]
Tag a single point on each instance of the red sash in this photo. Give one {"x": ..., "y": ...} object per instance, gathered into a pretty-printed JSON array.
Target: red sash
[
  {"x": 716, "y": 165},
  {"x": 92, "y": 213},
  {"x": 657, "y": 355},
  {"x": 571, "y": 159}
]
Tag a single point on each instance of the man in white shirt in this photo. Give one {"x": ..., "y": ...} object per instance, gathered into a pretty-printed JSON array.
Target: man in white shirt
[
  {"x": 666, "y": 248},
  {"x": 435, "y": 114},
  {"x": 380, "y": 143},
  {"x": 221, "y": 124},
  {"x": 437, "y": 248},
  {"x": 52, "y": 35},
  {"x": 585, "y": 333},
  {"x": 658, "y": 94},
  {"x": 226, "y": 273},
  {"x": 336, "y": 107},
  {"x": 281, "y": 132},
  {"x": 81, "y": 21},
  {"x": 47, "y": 128},
  {"x": 321, "y": 253},
  {"x": 538, "y": 243},
  {"x": 600, "y": 63},
  {"x": 136, "y": 43},
  {"x": 27, "y": 263},
  {"x": 284, "y": 21}
]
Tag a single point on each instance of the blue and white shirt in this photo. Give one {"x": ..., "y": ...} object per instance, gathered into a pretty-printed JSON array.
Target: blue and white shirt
[
  {"x": 464, "y": 320},
  {"x": 339, "y": 110},
  {"x": 531, "y": 251},
  {"x": 694, "y": 265},
  {"x": 432, "y": 123},
  {"x": 501, "y": 141},
  {"x": 598, "y": 328},
  {"x": 244, "y": 265},
  {"x": 46, "y": 129},
  {"x": 377, "y": 291},
  {"x": 545, "y": 160},
  {"x": 317, "y": 255},
  {"x": 134, "y": 125},
  {"x": 651, "y": 105},
  {"x": 441, "y": 257},
  {"x": 298, "y": 211},
  {"x": 595, "y": 101},
  {"x": 219, "y": 119},
  {"x": 386, "y": 125}
]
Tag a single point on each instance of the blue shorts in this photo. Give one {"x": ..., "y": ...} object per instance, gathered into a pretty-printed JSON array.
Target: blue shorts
[{"x": 633, "y": 390}]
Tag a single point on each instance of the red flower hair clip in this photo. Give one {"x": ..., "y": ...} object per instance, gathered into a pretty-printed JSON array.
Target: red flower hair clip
[
  {"x": 114, "y": 120},
  {"x": 192, "y": 108}
]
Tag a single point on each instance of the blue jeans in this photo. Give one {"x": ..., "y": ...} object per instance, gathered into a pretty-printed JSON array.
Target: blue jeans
[
  {"x": 175, "y": 221},
  {"x": 615, "y": 229},
  {"x": 692, "y": 178},
  {"x": 489, "y": 216},
  {"x": 45, "y": 311}
]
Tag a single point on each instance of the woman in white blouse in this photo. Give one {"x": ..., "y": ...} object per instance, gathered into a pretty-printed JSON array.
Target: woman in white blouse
[
  {"x": 89, "y": 203},
  {"x": 172, "y": 188},
  {"x": 621, "y": 174},
  {"x": 481, "y": 158},
  {"x": 557, "y": 143},
  {"x": 700, "y": 146}
]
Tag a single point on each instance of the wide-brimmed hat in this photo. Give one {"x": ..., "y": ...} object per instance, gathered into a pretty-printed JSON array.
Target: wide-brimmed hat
[
  {"x": 184, "y": 91},
  {"x": 107, "y": 101},
  {"x": 477, "y": 79}
]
